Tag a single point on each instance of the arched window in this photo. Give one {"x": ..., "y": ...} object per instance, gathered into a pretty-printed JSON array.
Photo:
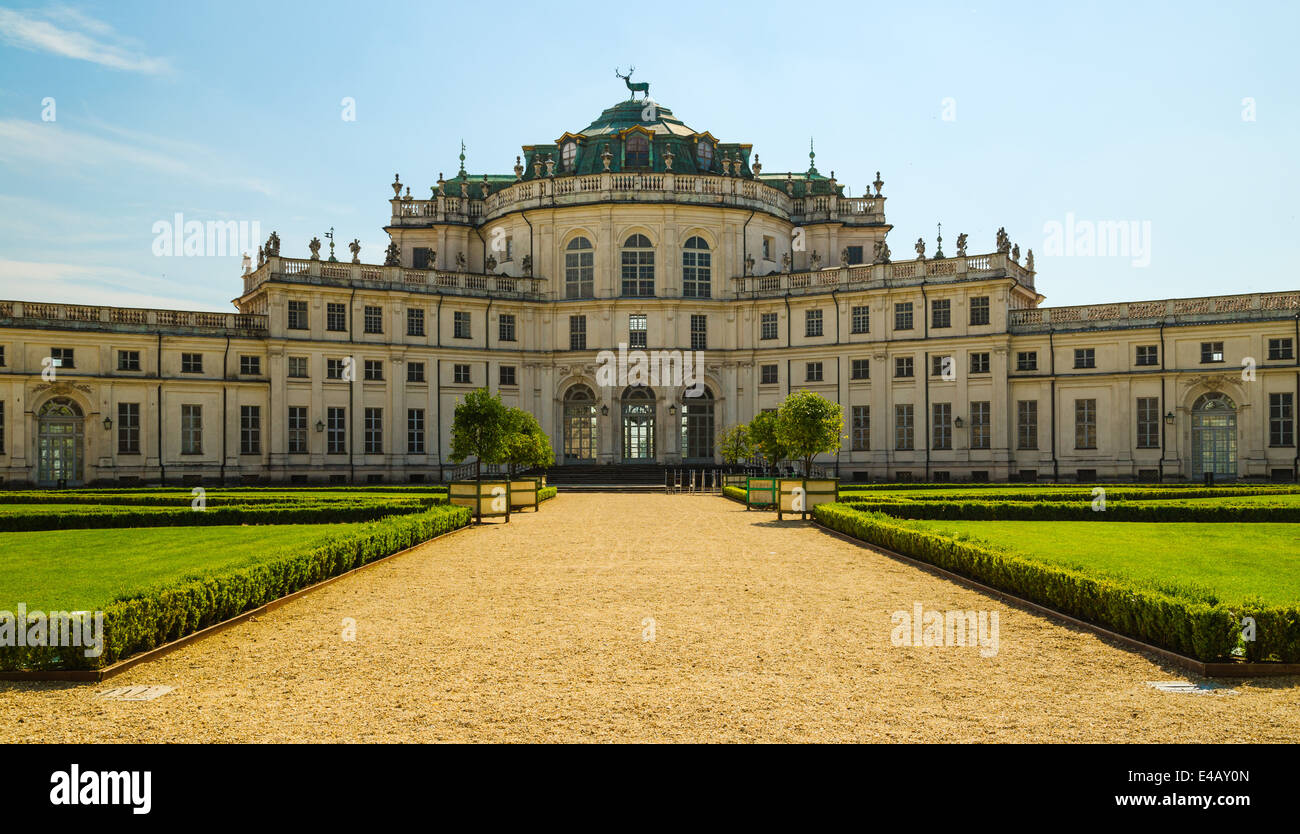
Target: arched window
[
  {"x": 638, "y": 407},
  {"x": 1214, "y": 436},
  {"x": 638, "y": 266},
  {"x": 579, "y": 269},
  {"x": 580, "y": 425},
  {"x": 697, "y": 269},
  {"x": 568, "y": 156},
  {"x": 704, "y": 155},
  {"x": 697, "y": 426},
  {"x": 636, "y": 153}
]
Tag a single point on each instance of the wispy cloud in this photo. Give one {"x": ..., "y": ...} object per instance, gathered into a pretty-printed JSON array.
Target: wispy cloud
[
  {"x": 44, "y": 143},
  {"x": 71, "y": 34},
  {"x": 66, "y": 283}
]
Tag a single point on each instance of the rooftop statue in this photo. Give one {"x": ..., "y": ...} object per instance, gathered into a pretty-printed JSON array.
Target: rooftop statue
[{"x": 639, "y": 87}]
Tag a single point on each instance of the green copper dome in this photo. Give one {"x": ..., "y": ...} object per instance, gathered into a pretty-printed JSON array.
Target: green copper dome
[{"x": 648, "y": 114}]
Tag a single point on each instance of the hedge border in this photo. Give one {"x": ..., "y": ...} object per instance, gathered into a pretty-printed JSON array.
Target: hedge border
[
  {"x": 1077, "y": 511},
  {"x": 132, "y": 516},
  {"x": 157, "y": 616},
  {"x": 1206, "y": 632}
]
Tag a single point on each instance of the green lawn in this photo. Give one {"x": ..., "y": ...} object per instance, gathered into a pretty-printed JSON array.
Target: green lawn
[
  {"x": 72, "y": 570},
  {"x": 1230, "y": 562}
]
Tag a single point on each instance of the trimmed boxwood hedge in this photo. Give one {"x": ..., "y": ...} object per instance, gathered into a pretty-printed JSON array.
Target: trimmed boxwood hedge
[
  {"x": 546, "y": 493},
  {"x": 1076, "y": 511},
  {"x": 152, "y": 618},
  {"x": 1207, "y": 632},
  {"x": 77, "y": 518},
  {"x": 734, "y": 493}
]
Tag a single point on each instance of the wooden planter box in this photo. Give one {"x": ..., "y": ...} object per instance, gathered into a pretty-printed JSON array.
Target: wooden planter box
[
  {"x": 523, "y": 493},
  {"x": 760, "y": 493},
  {"x": 486, "y": 499},
  {"x": 800, "y": 495}
]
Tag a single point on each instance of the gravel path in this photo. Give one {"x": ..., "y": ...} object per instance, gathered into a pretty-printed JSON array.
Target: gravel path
[{"x": 536, "y": 631}]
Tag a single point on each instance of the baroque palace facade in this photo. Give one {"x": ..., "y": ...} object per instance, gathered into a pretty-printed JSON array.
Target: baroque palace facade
[{"x": 641, "y": 231}]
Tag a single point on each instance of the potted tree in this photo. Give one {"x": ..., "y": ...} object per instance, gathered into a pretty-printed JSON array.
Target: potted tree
[
  {"x": 807, "y": 425},
  {"x": 479, "y": 429},
  {"x": 526, "y": 445}
]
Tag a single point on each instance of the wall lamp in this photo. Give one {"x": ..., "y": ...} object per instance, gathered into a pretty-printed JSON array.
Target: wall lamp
[
  {"x": 958, "y": 422},
  {"x": 108, "y": 424},
  {"x": 604, "y": 411},
  {"x": 672, "y": 409},
  {"x": 1169, "y": 419},
  {"x": 320, "y": 426}
]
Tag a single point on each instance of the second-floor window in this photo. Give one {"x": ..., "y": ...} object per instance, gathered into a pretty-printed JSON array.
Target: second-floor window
[
  {"x": 860, "y": 369},
  {"x": 579, "y": 269},
  {"x": 460, "y": 325},
  {"x": 699, "y": 332},
  {"x": 767, "y": 326},
  {"x": 1085, "y": 358},
  {"x": 979, "y": 310},
  {"x": 250, "y": 365},
  {"x": 577, "y": 332},
  {"x": 128, "y": 360},
  {"x": 374, "y": 370},
  {"x": 903, "y": 315},
  {"x": 1281, "y": 349},
  {"x": 1027, "y": 360},
  {"x": 191, "y": 363},
  {"x": 336, "y": 317},
  {"x": 297, "y": 315},
  {"x": 1211, "y": 352},
  {"x": 861, "y": 319},
  {"x": 638, "y": 266},
  {"x": 374, "y": 319},
  {"x": 1147, "y": 355},
  {"x": 506, "y": 327},
  {"x": 979, "y": 362},
  {"x": 636, "y": 330},
  {"x": 813, "y": 372},
  {"x": 414, "y": 321},
  {"x": 768, "y": 374},
  {"x": 812, "y": 320},
  {"x": 941, "y": 313},
  {"x": 697, "y": 269}
]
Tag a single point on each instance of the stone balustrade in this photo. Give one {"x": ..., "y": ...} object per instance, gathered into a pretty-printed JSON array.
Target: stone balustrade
[
  {"x": 898, "y": 273},
  {"x": 395, "y": 278},
  {"x": 474, "y": 208},
  {"x": 1250, "y": 307},
  {"x": 128, "y": 318}
]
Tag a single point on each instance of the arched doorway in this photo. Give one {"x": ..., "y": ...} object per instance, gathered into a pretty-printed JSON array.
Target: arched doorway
[
  {"x": 580, "y": 425},
  {"x": 638, "y": 409},
  {"x": 698, "y": 427},
  {"x": 60, "y": 443},
  {"x": 1214, "y": 436}
]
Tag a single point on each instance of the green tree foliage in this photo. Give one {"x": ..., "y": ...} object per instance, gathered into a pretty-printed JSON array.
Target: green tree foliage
[
  {"x": 807, "y": 425},
  {"x": 479, "y": 429},
  {"x": 733, "y": 443},
  {"x": 526, "y": 444},
  {"x": 763, "y": 438}
]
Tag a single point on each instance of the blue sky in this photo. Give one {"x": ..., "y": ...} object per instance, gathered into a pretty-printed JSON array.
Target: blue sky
[{"x": 232, "y": 111}]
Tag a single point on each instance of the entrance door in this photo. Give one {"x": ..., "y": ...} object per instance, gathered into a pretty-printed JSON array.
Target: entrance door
[
  {"x": 579, "y": 425},
  {"x": 59, "y": 443},
  {"x": 697, "y": 427},
  {"x": 638, "y": 425},
  {"x": 1214, "y": 437}
]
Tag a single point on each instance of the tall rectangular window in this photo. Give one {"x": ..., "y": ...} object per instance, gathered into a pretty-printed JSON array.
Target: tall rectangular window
[
  {"x": 373, "y": 423},
  {"x": 699, "y": 332},
  {"x": 373, "y": 319},
  {"x": 1281, "y": 419},
  {"x": 297, "y": 315},
  {"x": 861, "y": 319},
  {"x": 577, "y": 332},
  {"x": 414, "y": 321},
  {"x": 1085, "y": 424},
  {"x": 812, "y": 321},
  {"x": 128, "y": 428},
  {"x": 637, "y": 336},
  {"x": 1027, "y": 424},
  {"x": 941, "y": 428},
  {"x": 415, "y": 371},
  {"x": 336, "y": 317},
  {"x": 861, "y": 428},
  {"x": 415, "y": 431},
  {"x": 334, "y": 368},
  {"x": 297, "y": 367},
  {"x": 506, "y": 327},
  {"x": 579, "y": 269},
  {"x": 903, "y": 367},
  {"x": 297, "y": 429},
  {"x": 250, "y": 430},
  {"x": 903, "y": 315},
  {"x": 191, "y": 429},
  {"x": 697, "y": 269},
  {"x": 336, "y": 431},
  {"x": 1147, "y": 355},
  {"x": 460, "y": 324},
  {"x": 979, "y": 362},
  {"x": 941, "y": 313},
  {"x": 1148, "y": 422},
  {"x": 979, "y": 310},
  {"x": 981, "y": 429},
  {"x": 373, "y": 370},
  {"x": 903, "y": 437},
  {"x": 768, "y": 328}
]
